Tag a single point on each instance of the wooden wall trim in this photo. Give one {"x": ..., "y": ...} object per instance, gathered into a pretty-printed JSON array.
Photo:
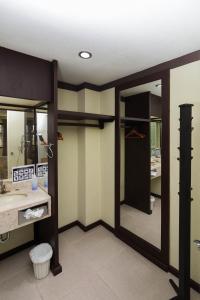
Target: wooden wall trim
[
  {"x": 67, "y": 86},
  {"x": 47, "y": 229},
  {"x": 159, "y": 257},
  {"x": 24, "y": 76},
  {"x": 77, "y": 88},
  {"x": 170, "y": 64},
  {"x": 88, "y": 227}
]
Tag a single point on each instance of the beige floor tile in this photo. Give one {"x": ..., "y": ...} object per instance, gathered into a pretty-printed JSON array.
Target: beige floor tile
[
  {"x": 135, "y": 278},
  {"x": 68, "y": 238},
  {"x": 21, "y": 286},
  {"x": 75, "y": 269},
  {"x": 14, "y": 264},
  {"x": 98, "y": 249},
  {"x": 93, "y": 289},
  {"x": 96, "y": 266}
]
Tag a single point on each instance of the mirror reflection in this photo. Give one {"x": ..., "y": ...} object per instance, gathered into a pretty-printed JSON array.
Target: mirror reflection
[
  {"x": 42, "y": 135},
  {"x": 23, "y": 135},
  {"x": 141, "y": 143}
]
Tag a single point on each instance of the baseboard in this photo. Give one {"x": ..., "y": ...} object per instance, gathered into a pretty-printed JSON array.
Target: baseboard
[
  {"x": 107, "y": 226},
  {"x": 68, "y": 226},
  {"x": 88, "y": 227},
  {"x": 16, "y": 250},
  {"x": 122, "y": 202},
  {"x": 194, "y": 285},
  {"x": 156, "y": 195}
]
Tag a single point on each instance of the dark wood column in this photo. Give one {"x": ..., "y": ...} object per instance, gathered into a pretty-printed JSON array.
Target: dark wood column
[{"x": 47, "y": 230}]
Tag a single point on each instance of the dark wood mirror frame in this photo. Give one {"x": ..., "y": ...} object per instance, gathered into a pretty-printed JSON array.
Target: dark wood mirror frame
[{"x": 158, "y": 256}]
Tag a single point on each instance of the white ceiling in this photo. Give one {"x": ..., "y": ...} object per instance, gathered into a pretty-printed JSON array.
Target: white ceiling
[
  {"x": 147, "y": 87},
  {"x": 124, "y": 36}
]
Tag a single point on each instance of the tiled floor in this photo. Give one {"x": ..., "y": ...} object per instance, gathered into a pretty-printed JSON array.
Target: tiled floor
[
  {"x": 143, "y": 225},
  {"x": 96, "y": 266}
]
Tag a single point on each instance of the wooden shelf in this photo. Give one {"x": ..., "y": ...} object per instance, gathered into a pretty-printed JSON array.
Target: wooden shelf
[
  {"x": 64, "y": 115},
  {"x": 128, "y": 120}
]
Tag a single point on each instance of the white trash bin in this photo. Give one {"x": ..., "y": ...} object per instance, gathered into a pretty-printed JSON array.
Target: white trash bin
[{"x": 40, "y": 257}]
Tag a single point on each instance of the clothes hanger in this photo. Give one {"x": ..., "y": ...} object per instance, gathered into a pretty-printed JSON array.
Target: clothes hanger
[
  {"x": 59, "y": 136},
  {"x": 135, "y": 134}
]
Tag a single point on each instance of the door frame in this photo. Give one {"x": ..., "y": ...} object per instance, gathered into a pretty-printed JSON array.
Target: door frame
[{"x": 158, "y": 256}]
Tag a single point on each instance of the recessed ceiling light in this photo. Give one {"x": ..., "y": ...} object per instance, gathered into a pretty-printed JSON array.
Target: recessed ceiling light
[{"x": 85, "y": 54}]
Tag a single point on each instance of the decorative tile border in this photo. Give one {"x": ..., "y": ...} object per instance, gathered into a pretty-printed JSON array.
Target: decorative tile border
[
  {"x": 22, "y": 173},
  {"x": 41, "y": 169}
]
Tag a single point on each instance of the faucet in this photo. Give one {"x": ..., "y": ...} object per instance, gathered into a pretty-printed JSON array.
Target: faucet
[{"x": 2, "y": 187}]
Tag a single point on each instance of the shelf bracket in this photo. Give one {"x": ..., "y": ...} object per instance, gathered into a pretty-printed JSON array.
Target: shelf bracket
[{"x": 101, "y": 124}]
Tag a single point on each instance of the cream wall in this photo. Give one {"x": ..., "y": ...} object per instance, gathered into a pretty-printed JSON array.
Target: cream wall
[
  {"x": 185, "y": 88},
  {"x": 81, "y": 176},
  {"x": 92, "y": 175},
  {"x": 67, "y": 100},
  {"x": 107, "y": 145},
  {"x": 67, "y": 163},
  {"x": 92, "y": 161},
  {"x": 67, "y": 176},
  {"x": 89, "y": 161}
]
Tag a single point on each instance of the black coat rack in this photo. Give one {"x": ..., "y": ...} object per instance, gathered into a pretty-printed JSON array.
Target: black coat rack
[{"x": 183, "y": 291}]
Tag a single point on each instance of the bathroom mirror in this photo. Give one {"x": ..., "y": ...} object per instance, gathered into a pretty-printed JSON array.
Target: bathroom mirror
[
  {"x": 42, "y": 134},
  {"x": 141, "y": 161},
  {"x": 21, "y": 129}
]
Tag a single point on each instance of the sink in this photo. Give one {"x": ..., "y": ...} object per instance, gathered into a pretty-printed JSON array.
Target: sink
[{"x": 14, "y": 204}]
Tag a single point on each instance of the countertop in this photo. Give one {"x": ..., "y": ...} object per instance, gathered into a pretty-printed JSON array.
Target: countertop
[{"x": 32, "y": 198}]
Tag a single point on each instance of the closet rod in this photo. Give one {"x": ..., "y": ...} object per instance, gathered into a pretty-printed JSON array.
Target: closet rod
[{"x": 78, "y": 124}]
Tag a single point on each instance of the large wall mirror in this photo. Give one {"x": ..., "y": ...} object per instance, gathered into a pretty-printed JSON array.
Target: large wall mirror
[
  {"x": 141, "y": 161},
  {"x": 142, "y": 176},
  {"x": 23, "y": 134}
]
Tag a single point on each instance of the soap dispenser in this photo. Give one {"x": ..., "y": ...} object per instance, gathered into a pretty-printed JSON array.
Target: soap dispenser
[
  {"x": 46, "y": 180},
  {"x": 34, "y": 183}
]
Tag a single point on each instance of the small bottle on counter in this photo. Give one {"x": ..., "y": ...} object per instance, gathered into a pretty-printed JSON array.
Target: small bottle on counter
[
  {"x": 46, "y": 180},
  {"x": 34, "y": 183}
]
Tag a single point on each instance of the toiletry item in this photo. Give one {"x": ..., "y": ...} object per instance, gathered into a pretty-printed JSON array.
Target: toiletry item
[
  {"x": 33, "y": 213},
  {"x": 34, "y": 183},
  {"x": 46, "y": 180}
]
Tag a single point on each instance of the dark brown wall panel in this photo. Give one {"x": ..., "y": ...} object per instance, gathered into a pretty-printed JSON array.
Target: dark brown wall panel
[{"x": 24, "y": 76}]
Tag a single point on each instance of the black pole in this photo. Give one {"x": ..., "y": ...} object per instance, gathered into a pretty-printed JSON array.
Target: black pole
[{"x": 184, "y": 203}]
